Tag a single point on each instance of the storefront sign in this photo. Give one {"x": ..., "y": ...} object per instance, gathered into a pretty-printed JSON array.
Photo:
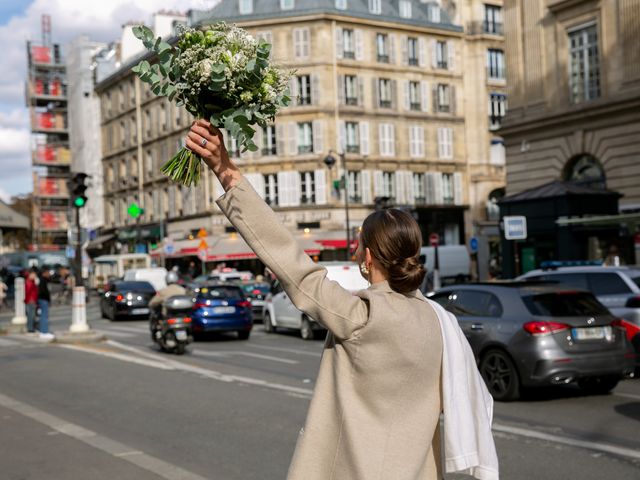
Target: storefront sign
[{"x": 515, "y": 227}]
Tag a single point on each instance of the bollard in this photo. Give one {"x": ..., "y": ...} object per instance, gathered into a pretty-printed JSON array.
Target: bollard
[
  {"x": 78, "y": 311},
  {"x": 20, "y": 317}
]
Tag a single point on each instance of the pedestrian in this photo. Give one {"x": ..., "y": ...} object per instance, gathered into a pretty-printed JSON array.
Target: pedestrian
[
  {"x": 31, "y": 299},
  {"x": 392, "y": 362},
  {"x": 3, "y": 293},
  {"x": 44, "y": 299}
]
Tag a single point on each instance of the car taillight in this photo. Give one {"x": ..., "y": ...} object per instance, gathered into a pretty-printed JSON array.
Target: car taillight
[
  {"x": 244, "y": 304},
  {"x": 544, "y": 328},
  {"x": 630, "y": 329},
  {"x": 633, "y": 302},
  {"x": 172, "y": 321},
  {"x": 199, "y": 305},
  {"x": 186, "y": 320}
]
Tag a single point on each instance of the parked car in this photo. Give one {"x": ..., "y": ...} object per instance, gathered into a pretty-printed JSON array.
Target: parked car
[
  {"x": 539, "y": 334},
  {"x": 454, "y": 264},
  {"x": 222, "y": 308},
  {"x": 279, "y": 311},
  {"x": 230, "y": 275},
  {"x": 156, "y": 276},
  {"x": 257, "y": 293},
  {"x": 124, "y": 298}
]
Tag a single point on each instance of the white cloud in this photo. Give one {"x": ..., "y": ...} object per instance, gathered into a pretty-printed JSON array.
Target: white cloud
[
  {"x": 4, "y": 196},
  {"x": 102, "y": 21}
]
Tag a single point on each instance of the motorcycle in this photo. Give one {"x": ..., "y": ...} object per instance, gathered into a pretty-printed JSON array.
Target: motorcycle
[{"x": 171, "y": 325}]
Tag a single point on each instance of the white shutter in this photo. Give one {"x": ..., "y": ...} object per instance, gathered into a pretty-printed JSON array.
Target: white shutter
[
  {"x": 401, "y": 196},
  {"x": 428, "y": 188},
  {"x": 404, "y": 50},
  {"x": 283, "y": 189},
  {"x": 365, "y": 177},
  {"x": 341, "y": 90},
  {"x": 280, "y": 139},
  {"x": 434, "y": 54},
  {"x": 392, "y": 48},
  {"x": 318, "y": 136},
  {"x": 457, "y": 188},
  {"x": 360, "y": 91},
  {"x": 339, "y": 42},
  {"x": 293, "y": 138},
  {"x": 257, "y": 182},
  {"x": 448, "y": 142},
  {"x": 424, "y": 95},
  {"x": 412, "y": 141},
  {"x": 441, "y": 147},
  {"x": 382, "y": 135},
  {"x": 408, "y": 186},
  {"x": 420, "y": 141},
  {"x": 306, "y": 43},
  {"x": 364, "y": 138},
  {"x": 437, "y": 188},
  {"x": 359, "y": 45},
  {"x": 293, "y": 88},
  {"x": 342, "y": 136},
  {"x": 321, "y": 187},
  {"x": 392, "y": 139},
  {"x": 297, "y": 43},
  {"x": 378, "y": 183},
  {"x": 422, "y": 52},
  {"x": 451, "y": 52},
  {"x": 315, "y": 89},
  {"x": 407, "y": 94}
]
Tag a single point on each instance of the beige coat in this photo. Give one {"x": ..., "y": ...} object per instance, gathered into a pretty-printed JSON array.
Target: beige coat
[{"x": 377, "y": 401}]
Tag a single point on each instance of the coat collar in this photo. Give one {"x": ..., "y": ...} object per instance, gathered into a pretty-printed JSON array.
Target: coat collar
[{"x": 385, "y": 287}]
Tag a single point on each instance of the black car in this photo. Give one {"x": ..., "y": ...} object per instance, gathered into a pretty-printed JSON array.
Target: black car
[
  {"x": 257, "y": 293},
  {"x": 126, "y": 299}
]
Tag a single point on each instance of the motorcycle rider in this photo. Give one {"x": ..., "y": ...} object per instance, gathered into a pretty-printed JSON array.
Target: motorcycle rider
[{"x": 171, "y": 290}]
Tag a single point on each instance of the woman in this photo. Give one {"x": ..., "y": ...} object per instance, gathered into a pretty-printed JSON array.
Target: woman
[
  {"x": 377, "y": 402},
  {"x": 31, "y": 299}
]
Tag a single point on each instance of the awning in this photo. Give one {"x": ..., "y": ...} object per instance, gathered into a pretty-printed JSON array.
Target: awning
[
  {"x": 97, "y": 242},
  {"x": 9, "y": 218},
  {"x": 627, "y": 218},
  {"x": 335, "y": 240}
]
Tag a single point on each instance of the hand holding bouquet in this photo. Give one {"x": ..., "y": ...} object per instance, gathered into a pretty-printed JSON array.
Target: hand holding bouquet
[{"x": 222, "y": 75}]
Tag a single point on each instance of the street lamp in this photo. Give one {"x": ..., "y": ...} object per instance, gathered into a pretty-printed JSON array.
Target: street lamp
[{"x": 330, "y": 161}]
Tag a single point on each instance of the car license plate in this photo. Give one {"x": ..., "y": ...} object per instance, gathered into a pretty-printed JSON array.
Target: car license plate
[
  {"x": 139, "y": 311},
  {"x": 224, "y": 310},
  {"x": 181, "y": 335},
  {"x": 591, "y": 333}
]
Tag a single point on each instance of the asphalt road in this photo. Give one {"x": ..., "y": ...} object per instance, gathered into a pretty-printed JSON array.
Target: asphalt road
[{"x": 232, "y": 409}]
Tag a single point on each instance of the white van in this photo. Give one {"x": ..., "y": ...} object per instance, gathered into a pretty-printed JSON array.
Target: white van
[
  {"x": 279, "y": 311},
  {"x": 108, "y": 267},
  {"x": 155, "y": 276},
  {"x": 454, "y": 262}
]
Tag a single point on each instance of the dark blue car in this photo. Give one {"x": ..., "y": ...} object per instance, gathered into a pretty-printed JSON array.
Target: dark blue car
[{"x": 222, "y": 308}]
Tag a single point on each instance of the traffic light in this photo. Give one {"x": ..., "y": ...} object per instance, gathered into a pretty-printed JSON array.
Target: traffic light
[{"x": 77, "y": 189}]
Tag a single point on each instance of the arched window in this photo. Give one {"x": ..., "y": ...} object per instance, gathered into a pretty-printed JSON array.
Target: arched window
[
  {"x": 493, "y": 210},
  {"x": 585, "y": 170}
]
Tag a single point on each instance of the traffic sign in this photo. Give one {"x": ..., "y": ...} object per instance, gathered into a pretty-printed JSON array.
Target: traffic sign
[
  {"x": 70, "y": 252},
  {"x": 434, "y": 239},
  {"x": 515, "y": 227},
  {"x": 473, "y": 245},
  {"x": 202, "y": 254}
]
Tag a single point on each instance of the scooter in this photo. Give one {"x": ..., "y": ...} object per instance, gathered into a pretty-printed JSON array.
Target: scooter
[{"x": 171, "y": 325}]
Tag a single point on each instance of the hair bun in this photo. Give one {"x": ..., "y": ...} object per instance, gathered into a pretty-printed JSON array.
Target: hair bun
[{"x": 406, "y": 275}]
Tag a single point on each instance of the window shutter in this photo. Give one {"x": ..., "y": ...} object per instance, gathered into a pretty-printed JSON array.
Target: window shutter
[
  {"x": 321, "y": 187},
  {"x": 342, "y": 136},
  {"x": 408, "y": 187},
  {"x": 441, "y": 146},
  {"x": 359, "y": 45},
  {"x": 424, "y": 95},
  {"x": 420, "y": 141},
  {"x": 378, "y": 183},
  {"x": 401, "y": 197},
  {"x": 394, "y": 94},
  {"x": 422, "y": 52},
  {"x": 360, "y": 92},
  {"x": 293, "y": 88},
  {"x": 283, "y": 189},
  {"x": 404, "y": 49},
  {"x": 297, "y": 40},
  {"x": 412, "y": 141},
  {"x": 382, "y": 135},
  {"x": 437, "y": 188},
  {"x": 375, "y": 90},
  {"x": 315, "y": 89},
  {"x": 293, "y": 138},
  {"x": 451, "y": 52},
  {"x": 428, "y": 188},
  {"x": 341, "y": 90},
  {"x": 257, "y": 182},
  {"x": 306, "y": 43},
  {"x": 434, "y": 54},
  {"x": 392, "y": 139},
  {"x": 434, "y": 98},
  {"x": 280, "y": 139},
  {"x": 339, "y": 42},
  {"x": 294, "y": 178},
  {"x": 449, "y": 134},
  {"x": 407, "y": 95},
  {"x": 392, "y": 48},
  {"x": 452, "y": 99},
  {"x": 318, "y": 136},
  {"x": 366, "y": 187},
  {"x": 364, "y": 138},
  {"x": 457, "y": 188}
]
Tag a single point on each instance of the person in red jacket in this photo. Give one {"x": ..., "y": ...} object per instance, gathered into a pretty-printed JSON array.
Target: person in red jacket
[{"x": 31, "y": 300}]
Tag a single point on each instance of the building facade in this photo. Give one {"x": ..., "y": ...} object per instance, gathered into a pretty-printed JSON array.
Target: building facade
[
  {"x": 574, "y": 96},
  {"x": 387, "y": 84}
]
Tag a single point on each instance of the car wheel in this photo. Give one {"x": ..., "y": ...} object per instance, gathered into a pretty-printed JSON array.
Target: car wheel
[
  {"x": 269, "y": 327},
  {"x": 500, "y": 375},
  {"x": 103, "y": 314},
  {"x": 306, "y": 332},
  {"x": 598, "y": 385},
  {"x": 244, "y": 334},
  {"x": 112, "y": 314}
]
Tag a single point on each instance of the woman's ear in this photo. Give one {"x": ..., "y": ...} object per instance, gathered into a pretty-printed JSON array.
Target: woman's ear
[{"x": 367, "y": 256}]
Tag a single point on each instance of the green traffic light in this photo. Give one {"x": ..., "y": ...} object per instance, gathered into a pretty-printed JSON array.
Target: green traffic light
[{"x": 79, "y": 202}]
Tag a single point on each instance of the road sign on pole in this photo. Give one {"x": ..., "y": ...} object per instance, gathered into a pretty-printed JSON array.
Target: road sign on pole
[
  {"x": 473, "y": 245},
  {"x": 515, "y": 227},
  {"x": 434, "y": 239}
]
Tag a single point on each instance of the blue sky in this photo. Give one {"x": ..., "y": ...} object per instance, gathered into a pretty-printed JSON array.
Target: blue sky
[{"x": 9, "y": 8}]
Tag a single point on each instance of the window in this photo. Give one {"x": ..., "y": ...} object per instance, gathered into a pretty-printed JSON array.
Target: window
[
  {"x": 341, "y": 4},
  {"x": 148, "y": 162},
  {"x": 433, "y": 13},
  {"x": 123, "y": 129},
  {"x": 566, "y": 304},
  {"x": 387, "y": 139},
  {"x": 415, "y": 102},
  {"x": 269, "y": 145},
  {"x": 164, "y": 117},
  {"x": 585, "y": 170},
  {"x": 147, "y": 122},
  {"x": 445, "y": 143},
  {"x": 419, "y": 194},
  {"x": 301, "y": 43},
  {"x": 307, "y": 188},
  {"x": 353, "y": 141},
  {"x": 375, "y": 7},
  {"x": 575, "y": 280},
  {"x": 405, "y": 8},
  {"x": 389, "y": 185},
  {"x": 304, "y": 89},
  {"x": 351, "y": 89},
  {"x": 441, "y": 55},
  {"x": 584, "y": 63},
  {"x": 495, "y": 64},
  {"x": 470, "y": 303},
  {"x": 447, "y": 189},
  {"x": 355, "y": 186},
  {"x": 413, "y": 51},
  {"x": 497, "y": 109},
  {"x": 246, "y": 7},
  {"x": 121, "y": 97},
  {"x": 287, "y": 4},
  {"x": 305, "y": 137},
  {"x": 493, "y": 19},
  {"x": 443, "y": 97},
  {"x": 271, "y": 189},
  {"x": 348, "y": 43},
  {"x": 607, "y": 284},
  {"x": 416, "y": 141},
  {"x": 384, "y": 86},
  {"x": 382, "y": 47}
]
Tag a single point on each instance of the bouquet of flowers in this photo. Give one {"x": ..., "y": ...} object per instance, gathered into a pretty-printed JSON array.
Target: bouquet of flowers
[{"x": 223, "y": 75}]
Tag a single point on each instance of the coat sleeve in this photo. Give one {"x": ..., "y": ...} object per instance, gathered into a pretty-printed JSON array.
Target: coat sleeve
[{"x": 303, "y": 280}]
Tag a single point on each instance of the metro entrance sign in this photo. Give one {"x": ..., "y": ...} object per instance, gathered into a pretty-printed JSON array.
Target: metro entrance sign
[{"x": 515, "y": 227}]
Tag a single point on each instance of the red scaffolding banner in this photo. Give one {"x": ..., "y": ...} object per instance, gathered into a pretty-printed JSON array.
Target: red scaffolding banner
[{"x": 41, "y": 54}]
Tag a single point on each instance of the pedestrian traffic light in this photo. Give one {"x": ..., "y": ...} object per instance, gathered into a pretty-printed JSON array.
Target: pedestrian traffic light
[{"x": 77, "y": 189}]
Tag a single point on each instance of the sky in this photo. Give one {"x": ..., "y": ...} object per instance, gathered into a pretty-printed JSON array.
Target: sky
[{"x": 19, "y": 22}]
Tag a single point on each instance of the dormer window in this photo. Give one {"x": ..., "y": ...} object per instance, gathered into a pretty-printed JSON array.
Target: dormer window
[
  {"x": 246, "y": 7},
  {"x": 341, "y": 4},
  {"x": 287, "y": 4},
  {"x": 375, "y": 7},
  {"x": 405, "y": 8}
]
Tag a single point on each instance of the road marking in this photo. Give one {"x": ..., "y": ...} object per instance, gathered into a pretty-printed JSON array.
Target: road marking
[
  {"x": 589, "y": 445},
  {"x": 8, "y": 343},
  {"x": 116, "y": 449},
  {"x": 288, "y": 350},
  {"x": 121, "y": 356},
  {"x": 122, "y": 328},
  {"x": 112, "y": 333},
  {"x": 248, "y": 354}
]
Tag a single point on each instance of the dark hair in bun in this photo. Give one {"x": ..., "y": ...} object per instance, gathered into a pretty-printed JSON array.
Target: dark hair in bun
[{"x": 394, "y": 238}]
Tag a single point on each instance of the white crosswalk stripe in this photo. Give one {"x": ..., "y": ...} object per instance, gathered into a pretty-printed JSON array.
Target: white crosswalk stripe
[{"x": 4, "y": 342}]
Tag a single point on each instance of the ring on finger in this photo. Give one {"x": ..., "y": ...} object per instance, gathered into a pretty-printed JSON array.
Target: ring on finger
[{"x": 203, "y": 142}]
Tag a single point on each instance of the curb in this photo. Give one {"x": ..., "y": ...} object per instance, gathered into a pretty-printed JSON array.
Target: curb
[{"x": 79, "y": 338}]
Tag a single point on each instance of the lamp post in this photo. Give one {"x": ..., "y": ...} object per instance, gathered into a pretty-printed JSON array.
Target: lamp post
[{"x": 330, "y": 161}]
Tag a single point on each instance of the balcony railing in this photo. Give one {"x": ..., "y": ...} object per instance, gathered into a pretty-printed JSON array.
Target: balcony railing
[
  {"x": 494, "y": 73},
  {"x": 485, "y": 27},
  {"x": 385, "y": 103},
  {"x": 269, "y": 151},
  {"x": 383, "y": 58},
  {"x": 352, "y": 101},
  {"x": 305, "y": 149},
  {"x": 416, "y": 107},
  {"x": 413, "y": 61},
  {"x": 304, "y": 100},
  {"x": 353, "y": 148},
  {"x": 349, "y": 54}
]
